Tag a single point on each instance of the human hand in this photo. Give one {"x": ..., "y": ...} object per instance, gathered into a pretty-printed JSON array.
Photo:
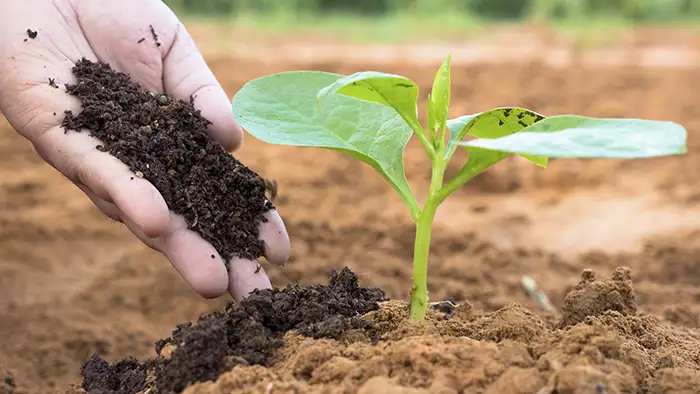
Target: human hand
[{"x": 109, "y": 30}]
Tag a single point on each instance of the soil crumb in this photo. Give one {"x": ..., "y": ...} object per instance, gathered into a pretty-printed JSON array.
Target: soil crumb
[
  {"x": 166, "y": 142},
  {"x": 593, "y": 296},
  {"x": 241, "y": 334}
]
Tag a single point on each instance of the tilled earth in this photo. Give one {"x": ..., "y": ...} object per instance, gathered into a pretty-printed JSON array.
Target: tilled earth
[{"x": 615, "y": 245}]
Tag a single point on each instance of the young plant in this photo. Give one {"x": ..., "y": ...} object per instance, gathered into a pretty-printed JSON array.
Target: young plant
[{"x": 372, "y": 115}]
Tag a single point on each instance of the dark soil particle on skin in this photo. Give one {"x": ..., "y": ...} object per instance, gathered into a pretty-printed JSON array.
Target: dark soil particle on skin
[
  {"x": 155, "y": 36},
  {"x": 245, "y": 333},
  {"x": 165, "y": 141},
  {"x": 32, "y": 34}
]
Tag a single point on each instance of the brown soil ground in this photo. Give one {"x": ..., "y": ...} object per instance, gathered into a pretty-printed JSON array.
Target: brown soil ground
[{"x": 72, "y": 282}]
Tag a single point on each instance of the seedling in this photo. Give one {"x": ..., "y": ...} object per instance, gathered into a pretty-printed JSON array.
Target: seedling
[{"x": 372, "y": 115}]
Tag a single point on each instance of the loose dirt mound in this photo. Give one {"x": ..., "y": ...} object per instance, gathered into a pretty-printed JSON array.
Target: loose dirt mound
[
  {"x": 72, "y": 282},
  {"x": 510, "y": 350}
]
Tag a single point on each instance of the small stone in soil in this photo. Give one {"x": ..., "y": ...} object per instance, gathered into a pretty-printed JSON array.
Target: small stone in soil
[
  {"x": 9, "y": 381},
  {"x": 447, "y": 307}
]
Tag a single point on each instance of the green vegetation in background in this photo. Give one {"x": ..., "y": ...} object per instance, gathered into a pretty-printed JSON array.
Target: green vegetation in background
[
  {"x": 412, "y": 20},
  {"x": 630, "y": 10}
]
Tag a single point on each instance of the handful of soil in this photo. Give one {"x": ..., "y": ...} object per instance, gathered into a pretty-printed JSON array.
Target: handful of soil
[{"x": 165, "y": 141}]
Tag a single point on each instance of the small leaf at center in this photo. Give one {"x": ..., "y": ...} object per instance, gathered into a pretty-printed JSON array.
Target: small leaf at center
[
  {"x": 395, "y": 91},
  {"x": 491, "y": 124}
]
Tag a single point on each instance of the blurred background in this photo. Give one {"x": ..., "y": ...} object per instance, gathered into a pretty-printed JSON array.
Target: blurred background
[
  {"x": 557, "y": 32},
  {"x": 407, "y": 20},
  {"x": 72, "y": 281},
  {"x": 445, "y": 14}
]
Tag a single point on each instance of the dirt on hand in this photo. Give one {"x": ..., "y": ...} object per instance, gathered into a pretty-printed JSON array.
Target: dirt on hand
[{"x": 165, "y": 141}]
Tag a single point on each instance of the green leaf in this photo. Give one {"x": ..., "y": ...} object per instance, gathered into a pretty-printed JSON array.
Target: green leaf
[
  {"x": 571, "y": 136},
  {"x": 395, "y": 91},
  {"x": 440, "y": 96},
  {"x": 491, "y": 124},
  {"x": 282, "y": 109}
]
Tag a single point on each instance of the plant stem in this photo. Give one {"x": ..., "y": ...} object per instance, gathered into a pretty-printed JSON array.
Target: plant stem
[
  {"x": 419, "y": 131},
  {"x": 421, "y": 249}
]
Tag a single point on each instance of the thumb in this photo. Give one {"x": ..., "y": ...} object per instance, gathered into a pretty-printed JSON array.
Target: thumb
[{"x": 187, "y": 76}]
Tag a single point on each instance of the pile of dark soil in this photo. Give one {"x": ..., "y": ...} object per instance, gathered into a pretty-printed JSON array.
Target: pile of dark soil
[
  {"x": 165, "y": 141},
  {"x": 245, "y": 333}
]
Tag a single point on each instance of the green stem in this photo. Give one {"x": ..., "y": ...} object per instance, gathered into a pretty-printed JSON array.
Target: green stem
[
  {"x": 420, "y": 132},
  {"x": 443, "y": 127},
  {"x": 421, "y": 249}
]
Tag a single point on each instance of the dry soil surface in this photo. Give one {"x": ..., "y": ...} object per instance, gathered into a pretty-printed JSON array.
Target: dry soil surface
[{"x": 614, "y": 244}]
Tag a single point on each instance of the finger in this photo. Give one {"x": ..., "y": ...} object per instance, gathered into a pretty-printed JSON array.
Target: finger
[
  {"x": 186, "y": 74},
  {"x": 246, "y": 276},
  {"x": 193, "y": 258},
  {"x": 127, "y": 44},
  {"x": 107, "y": 208},
  {"x": 274, "y": 233},
  {"x": 76, "y": 156}
]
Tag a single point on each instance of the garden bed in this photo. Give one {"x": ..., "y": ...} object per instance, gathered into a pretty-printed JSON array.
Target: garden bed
[
  {"x": 342, "y": 338},
  {"x": 119, "y": 303}
]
